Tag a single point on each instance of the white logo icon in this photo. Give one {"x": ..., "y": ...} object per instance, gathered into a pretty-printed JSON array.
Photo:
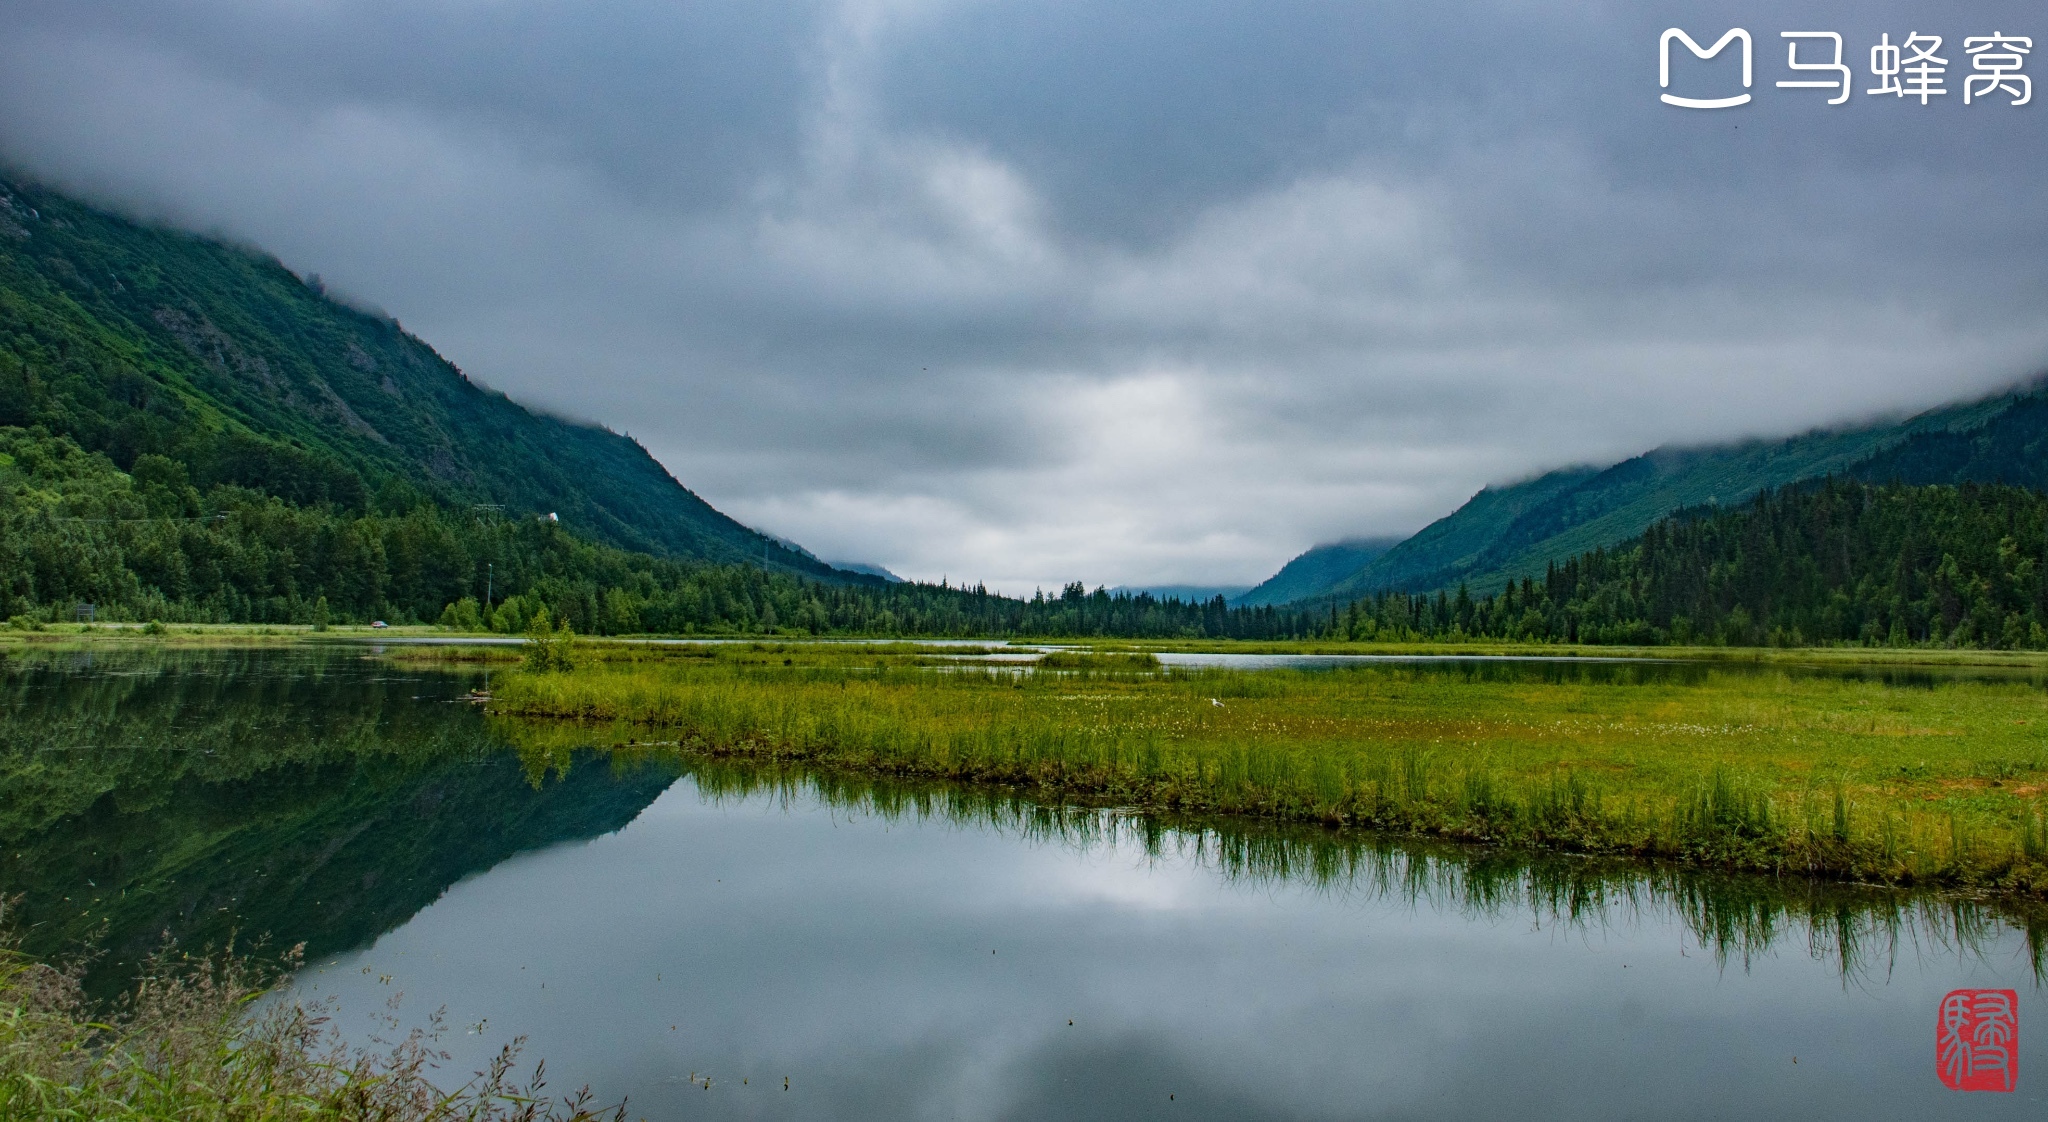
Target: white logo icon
[
  {"x": 1910, "y": 69},
  {"x": 1664, "y": 67}
]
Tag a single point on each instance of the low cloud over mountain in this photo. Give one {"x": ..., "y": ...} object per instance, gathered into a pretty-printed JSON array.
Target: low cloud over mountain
[{"x": 1136, "y": 293}]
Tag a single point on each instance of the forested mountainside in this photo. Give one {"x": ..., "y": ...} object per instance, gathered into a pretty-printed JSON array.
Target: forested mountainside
[
  {"x": 1836, "y": 561},
  {"x": 148, "y": 544},
  {"x": 1509, "y": 532},
  {"x": 134, "y": 340},
  {"x": 2010, "y": 447}
]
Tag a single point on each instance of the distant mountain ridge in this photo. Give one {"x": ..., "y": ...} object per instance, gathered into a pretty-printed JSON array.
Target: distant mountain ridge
[
  {"x": 1507, "y": 532},
  {"x": 866, "y": 569},
  {"x": 1311, "y": 572},
  {"x": 132, "y": 339},
  {"x": 1185, "y": 593}
]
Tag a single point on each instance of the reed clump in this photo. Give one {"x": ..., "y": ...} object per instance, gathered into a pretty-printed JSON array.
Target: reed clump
[
  {"x": 196, "y": 1041},
  {"x": 1732, "y": 768}
]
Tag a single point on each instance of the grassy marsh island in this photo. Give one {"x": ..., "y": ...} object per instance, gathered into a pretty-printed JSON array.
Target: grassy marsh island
[{"x": 1896, "y": 778}]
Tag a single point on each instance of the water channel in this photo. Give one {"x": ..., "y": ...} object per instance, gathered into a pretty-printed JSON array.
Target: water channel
[{"x": 690, "y": 934}]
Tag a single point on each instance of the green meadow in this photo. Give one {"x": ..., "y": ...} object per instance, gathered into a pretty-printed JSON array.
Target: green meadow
[{"x": 1887, "y": 774}]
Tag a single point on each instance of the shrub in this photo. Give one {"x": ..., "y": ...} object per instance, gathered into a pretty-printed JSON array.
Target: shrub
[
  {"x": 549, "y": 648},
  {"x": 463, "y": 615}
]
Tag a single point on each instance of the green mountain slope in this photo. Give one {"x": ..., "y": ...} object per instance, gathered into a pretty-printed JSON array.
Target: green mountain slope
[
  {"x": 1504, "y": 533},
  {"x": 132, "y": 339},
  {"x": 1312, "y": 572}
]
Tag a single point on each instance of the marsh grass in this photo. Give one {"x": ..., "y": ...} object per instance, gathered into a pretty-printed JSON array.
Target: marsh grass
[
  {"x": 453, "y": 655},
  {"x": 1738, "y": 768},
  {"x": 196, "y": 1040},
  {"x": 1100, "y": 661}
]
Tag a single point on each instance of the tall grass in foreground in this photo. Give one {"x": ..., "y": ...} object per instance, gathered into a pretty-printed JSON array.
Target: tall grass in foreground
[
  {"x": 1757, "y": 770},
  {"x": 194, "y": 1042}
]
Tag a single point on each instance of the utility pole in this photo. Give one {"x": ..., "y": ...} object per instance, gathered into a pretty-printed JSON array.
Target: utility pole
[{"x": 490, "y": 582}]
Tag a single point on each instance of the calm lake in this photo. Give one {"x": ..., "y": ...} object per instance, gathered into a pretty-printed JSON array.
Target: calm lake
[{"x": 690, "y": 935}]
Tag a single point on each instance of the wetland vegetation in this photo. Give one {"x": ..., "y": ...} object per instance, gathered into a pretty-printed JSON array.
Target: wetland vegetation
[{"x": 1888, "y": 778}]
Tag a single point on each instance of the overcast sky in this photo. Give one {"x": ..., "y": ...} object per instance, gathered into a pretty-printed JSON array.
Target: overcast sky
[{"x": 1126, "y": 292}]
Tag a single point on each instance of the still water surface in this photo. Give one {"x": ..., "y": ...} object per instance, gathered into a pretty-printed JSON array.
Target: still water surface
[{"x": 920, "y": 952}]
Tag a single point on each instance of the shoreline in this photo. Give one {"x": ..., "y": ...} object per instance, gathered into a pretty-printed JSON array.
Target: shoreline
[{"x": 432, "y": 635}]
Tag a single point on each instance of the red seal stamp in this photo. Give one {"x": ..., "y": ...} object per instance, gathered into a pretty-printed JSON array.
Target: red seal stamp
[{"x": 1977, "y": 1040}]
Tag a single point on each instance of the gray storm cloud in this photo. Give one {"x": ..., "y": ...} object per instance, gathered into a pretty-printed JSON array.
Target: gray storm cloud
[{"x": 1124, "y": 292}]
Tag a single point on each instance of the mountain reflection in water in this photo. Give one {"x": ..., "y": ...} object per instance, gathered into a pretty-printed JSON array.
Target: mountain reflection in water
[{"x": 285, "y": 797}]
